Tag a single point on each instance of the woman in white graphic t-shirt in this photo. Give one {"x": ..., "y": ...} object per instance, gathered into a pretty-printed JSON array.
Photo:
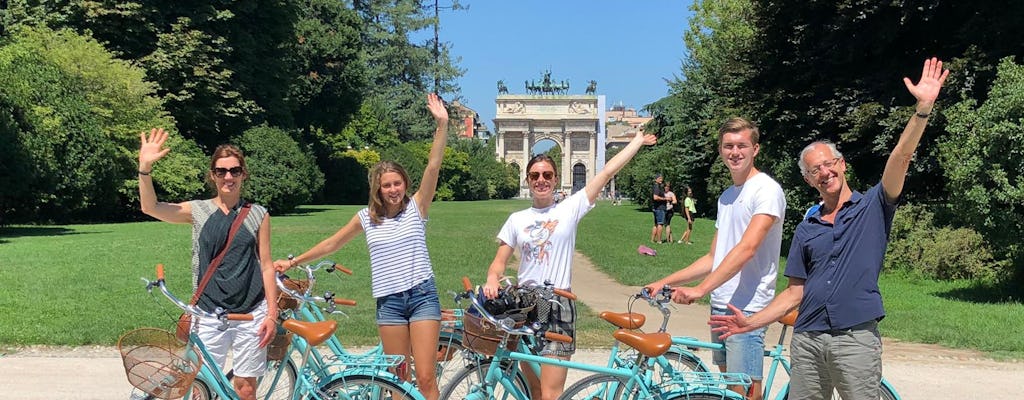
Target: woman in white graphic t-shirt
[{"x": 545, "y": 234}]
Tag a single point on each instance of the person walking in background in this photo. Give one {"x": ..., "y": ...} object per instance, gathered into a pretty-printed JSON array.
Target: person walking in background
[
  {"x": 670, "y": 211},
  {"x": 741, "y": 266},
  {"x": 834, "y": 264},
  {"x": 545, "y": 235},
  {"x": 658, "y": 196},
  {"x": 402, "y": 278},
  {"x": 242, "y": 279},
  {"x": 690, "y": 210}
]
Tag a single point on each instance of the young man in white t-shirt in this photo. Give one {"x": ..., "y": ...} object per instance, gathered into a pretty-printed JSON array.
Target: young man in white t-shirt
[{"x": 743, "y": 262}]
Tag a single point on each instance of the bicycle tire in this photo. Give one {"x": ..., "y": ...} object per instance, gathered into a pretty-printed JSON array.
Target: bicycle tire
[
  {"x": 463, "y": 382},
  {"x": 364, "y": 387},
  {"x": 595, "y": 387},
  {"x": 285, "y": 384},
  {"x": 610, "y": 387},
  {"x": 200, "y": 391}
]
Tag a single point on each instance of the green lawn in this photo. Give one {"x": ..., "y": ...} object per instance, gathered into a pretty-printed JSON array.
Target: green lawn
[{"x": 80, "y": 284}]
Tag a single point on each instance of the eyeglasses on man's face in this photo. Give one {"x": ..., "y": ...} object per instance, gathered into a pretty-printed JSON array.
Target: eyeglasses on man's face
[
  {"x": 824, "y": 165},
  {"x": 548, "y": 175},
  {"x": 221, "y": 172}
]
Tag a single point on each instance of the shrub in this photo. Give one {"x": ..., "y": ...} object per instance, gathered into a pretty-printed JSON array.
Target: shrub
[
  {"x": 921, "y": 248},
  {"x": 281, "y": 175}
]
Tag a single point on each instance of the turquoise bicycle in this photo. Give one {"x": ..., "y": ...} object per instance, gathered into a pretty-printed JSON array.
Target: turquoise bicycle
[
  {"x": 307, "y": 308},
  {"x": 170, "y": 369},
  {"x": 683, "y": 347},
  {"x": 496, "y": 379}
]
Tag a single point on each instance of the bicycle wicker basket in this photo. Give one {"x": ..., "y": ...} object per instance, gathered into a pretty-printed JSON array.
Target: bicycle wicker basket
[
  {"x": 286, "y": 301},
  {"x": 154, "y": 363},
  {"x": 483, "y": 337}
]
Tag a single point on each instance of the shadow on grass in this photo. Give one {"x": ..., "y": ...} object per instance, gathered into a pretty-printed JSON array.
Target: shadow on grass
[
  {"x": 1008, "y": 293},
  {"x": 305, "y": 210},
  {"x": 31, "y": 231}
]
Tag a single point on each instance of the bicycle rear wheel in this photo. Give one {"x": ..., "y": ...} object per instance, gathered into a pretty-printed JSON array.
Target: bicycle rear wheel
[{"x": 364, "y": 387}]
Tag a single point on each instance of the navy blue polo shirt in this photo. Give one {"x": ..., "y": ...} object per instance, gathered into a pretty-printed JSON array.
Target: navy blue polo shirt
[{"x": 840, "y": 263}]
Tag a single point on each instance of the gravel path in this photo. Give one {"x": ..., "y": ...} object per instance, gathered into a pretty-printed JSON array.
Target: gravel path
[{"x": 918, "y": 371}]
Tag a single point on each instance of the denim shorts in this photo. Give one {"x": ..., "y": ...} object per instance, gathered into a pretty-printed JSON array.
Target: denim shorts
[
  {"x": 743, "y": 352},
  {"x": 419, "y": 303},
  {"x": 659, "y": 216}
]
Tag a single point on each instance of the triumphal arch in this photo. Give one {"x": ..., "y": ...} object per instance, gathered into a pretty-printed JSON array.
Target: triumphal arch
[{"x": 575, "y": 122}]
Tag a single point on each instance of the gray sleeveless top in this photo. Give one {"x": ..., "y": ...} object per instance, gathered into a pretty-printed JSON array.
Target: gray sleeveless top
[{"x": 237, "y": 284}]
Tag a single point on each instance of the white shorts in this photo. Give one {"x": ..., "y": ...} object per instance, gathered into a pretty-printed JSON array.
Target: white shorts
[{"x": 242, "y": 338}]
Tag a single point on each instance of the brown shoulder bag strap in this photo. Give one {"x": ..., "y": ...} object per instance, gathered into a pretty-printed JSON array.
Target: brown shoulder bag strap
[{"x": 220, "y": 256}]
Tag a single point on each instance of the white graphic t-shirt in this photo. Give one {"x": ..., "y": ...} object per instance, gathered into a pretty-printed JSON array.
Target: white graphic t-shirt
[{"x": 546, "y": 239}]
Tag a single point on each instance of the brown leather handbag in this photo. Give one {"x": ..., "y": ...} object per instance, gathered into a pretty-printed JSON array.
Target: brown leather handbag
[{"x": 185, "y": 320}]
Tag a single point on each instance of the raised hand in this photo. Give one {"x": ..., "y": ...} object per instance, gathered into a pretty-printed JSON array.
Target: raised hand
[
  {"x": 152, "y": 147},
  {"x": 436, "y": 107},
  {"x": 648, "y": 139},
  {"x": 927, "y": 88}
]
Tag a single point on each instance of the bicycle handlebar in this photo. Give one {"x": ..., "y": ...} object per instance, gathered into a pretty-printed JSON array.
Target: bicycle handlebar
[
  {"x": 328, "y": 297},
  {"x": 660, "y": 301},
  {"x": 219, "y": 314}
]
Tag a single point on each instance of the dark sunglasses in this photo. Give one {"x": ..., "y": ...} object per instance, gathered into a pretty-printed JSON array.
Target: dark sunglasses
[
  {"x": 221, "y": 172},
  {"x": 548, "y": 175}
]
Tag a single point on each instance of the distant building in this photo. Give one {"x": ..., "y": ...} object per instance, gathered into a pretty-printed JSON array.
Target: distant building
[
  {"x": 470, "y": 125},
  {"x": 622, "y": 123}
]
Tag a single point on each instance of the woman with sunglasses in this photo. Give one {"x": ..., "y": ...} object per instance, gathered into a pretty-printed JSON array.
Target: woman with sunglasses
[
  {"x": 402, "y": 278},
  {"x": 545, "y": 235},
  {"x": 243, "y": 281}
]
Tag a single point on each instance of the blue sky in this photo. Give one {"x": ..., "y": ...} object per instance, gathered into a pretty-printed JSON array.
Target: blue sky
[{"x": 629, "y": 47}]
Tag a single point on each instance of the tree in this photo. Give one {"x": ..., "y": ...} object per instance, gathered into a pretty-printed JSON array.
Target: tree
[
  {"x": 73, "y": 113},
  {"x": 983, "y": 163},
  {"x": 401, "y": 70},
  {"x": 282, "y": 176}
]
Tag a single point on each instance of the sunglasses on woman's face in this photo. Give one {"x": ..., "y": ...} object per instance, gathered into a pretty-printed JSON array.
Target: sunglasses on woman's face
[
  {"x": 221, "y": 172},
  {"x": 548, "y": 175}
]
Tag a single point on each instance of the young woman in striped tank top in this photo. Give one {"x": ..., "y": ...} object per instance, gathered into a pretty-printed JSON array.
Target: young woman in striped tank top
[{"x": 408, "y": 309}]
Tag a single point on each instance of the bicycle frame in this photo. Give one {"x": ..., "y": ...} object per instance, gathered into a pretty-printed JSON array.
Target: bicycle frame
[
  {"x": 685, "y": 344},
  {"x": 637, "y": 375},
  {"x": 308, "y": 381}
]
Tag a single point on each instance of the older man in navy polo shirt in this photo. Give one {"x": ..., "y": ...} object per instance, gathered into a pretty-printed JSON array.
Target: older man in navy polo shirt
[{"x": 834, "y": 263}]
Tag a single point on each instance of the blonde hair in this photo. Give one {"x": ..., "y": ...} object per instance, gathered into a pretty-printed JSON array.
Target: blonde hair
[
  {"x": 376, "y": 206},
  {"x": 737, "y": 125}
]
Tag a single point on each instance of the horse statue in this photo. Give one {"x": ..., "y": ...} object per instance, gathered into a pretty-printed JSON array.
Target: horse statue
[
  {"x": 502, "y": 89},
  {"x": 592, "y": 87}
]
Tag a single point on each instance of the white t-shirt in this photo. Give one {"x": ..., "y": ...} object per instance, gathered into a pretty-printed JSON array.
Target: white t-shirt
[
  {"x": 546, "y": 239},
  {"x": 753, "y": 287}
]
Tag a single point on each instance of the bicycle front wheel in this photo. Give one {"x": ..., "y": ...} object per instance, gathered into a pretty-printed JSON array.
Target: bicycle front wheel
[
  {"x": 364, "y": 387},
  {"x": 470, "y": 379},
  {"x": 450, "y": 357},
  {"x": 279, "y": 381}
]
